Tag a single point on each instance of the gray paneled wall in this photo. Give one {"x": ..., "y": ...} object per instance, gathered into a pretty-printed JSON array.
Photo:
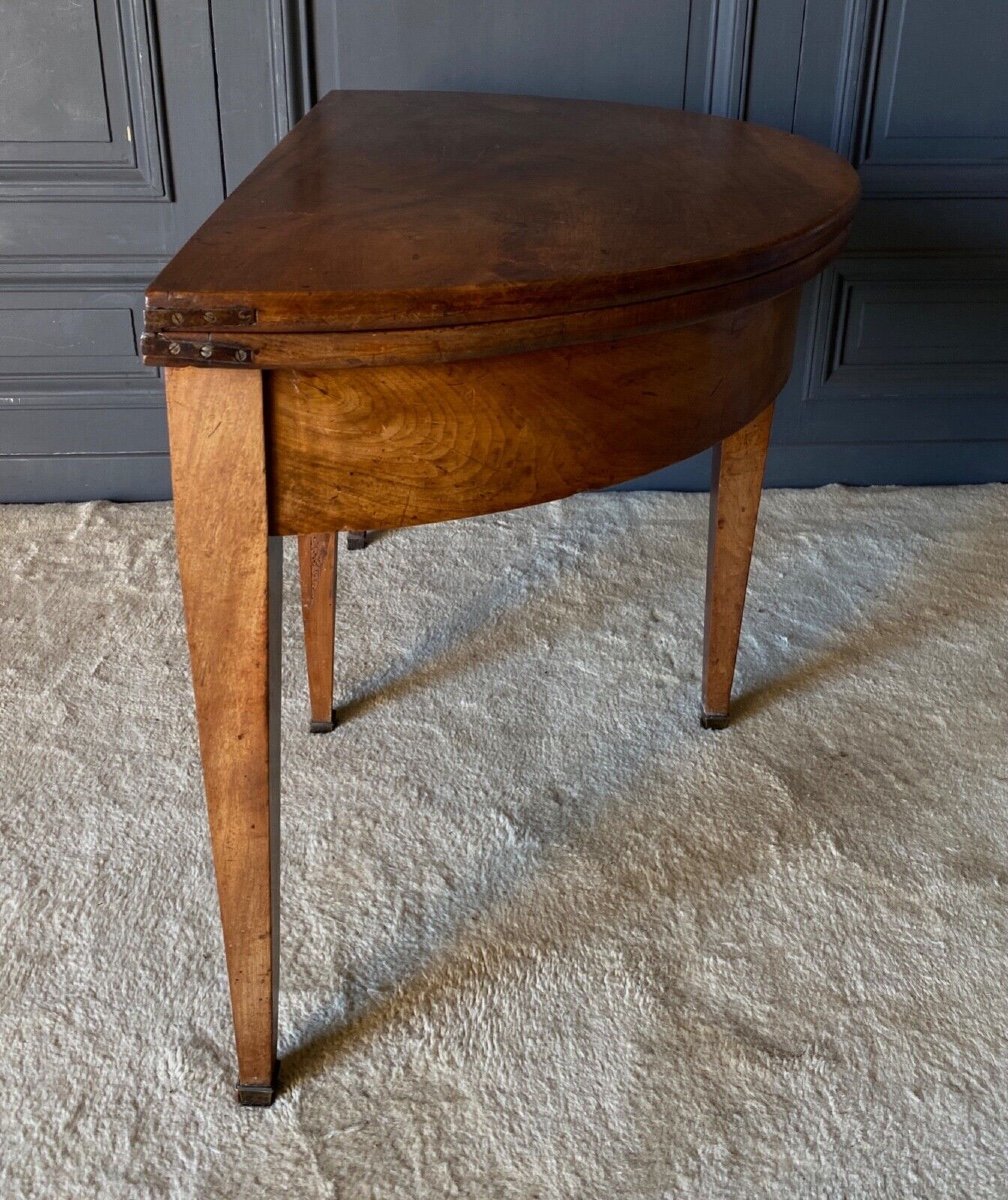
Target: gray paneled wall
[{"x": 122, "y": 123}]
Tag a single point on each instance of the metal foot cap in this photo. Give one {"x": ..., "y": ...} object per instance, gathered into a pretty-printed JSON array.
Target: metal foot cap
[
  {"x": 713, "y": 720},
  {"x": 258, "y": 1095},
  {"x": 321, "y": 726}
]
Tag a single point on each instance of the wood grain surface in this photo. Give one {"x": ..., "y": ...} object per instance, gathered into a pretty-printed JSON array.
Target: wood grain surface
[
  {"x": 230, "y": 571},
  {"x": 394, "y": 446},
  {"x": 395, "y": 210},
  {"x": 451, "y": 343},
  {"x": 736, "y": 486},
  {"x": 317, "y": 565}
]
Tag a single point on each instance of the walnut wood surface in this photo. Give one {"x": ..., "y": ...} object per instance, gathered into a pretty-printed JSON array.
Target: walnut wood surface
[
  {"x": 317, "y": 563},
  {"x": 231, "y": 589},
  {"x": 451, "y": 343},
  {"x": 736, "y": 486},
  {"x": 392, "y": 446},
  {"x": 396, "y": 210}
]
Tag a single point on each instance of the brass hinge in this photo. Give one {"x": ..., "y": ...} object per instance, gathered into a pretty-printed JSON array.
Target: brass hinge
[
  {"x": 157, "y": 319},
  {"x": 167, "y": 349}
]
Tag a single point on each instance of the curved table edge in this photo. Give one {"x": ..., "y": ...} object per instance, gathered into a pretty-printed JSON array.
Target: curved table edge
[{"x": 248, "y": 348}]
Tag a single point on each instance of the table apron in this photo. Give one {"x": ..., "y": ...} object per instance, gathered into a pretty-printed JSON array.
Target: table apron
[{"x": 389, "y": 446}]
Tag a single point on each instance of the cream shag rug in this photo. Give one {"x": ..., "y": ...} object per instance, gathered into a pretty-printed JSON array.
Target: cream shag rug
[{"x": 542, "y": 935}]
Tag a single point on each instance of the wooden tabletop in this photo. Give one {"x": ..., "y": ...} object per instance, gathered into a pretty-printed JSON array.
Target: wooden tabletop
[{"x": 408, "y": 210}]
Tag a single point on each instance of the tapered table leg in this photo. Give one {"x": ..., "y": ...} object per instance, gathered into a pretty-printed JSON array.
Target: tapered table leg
[
  {"x": 230, "y": 571},
  {"x": 317, "y": 562},
  {"x": 736, "y": 485}
]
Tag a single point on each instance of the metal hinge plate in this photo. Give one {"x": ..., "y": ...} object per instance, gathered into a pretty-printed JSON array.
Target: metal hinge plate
[
  {"x": 157, "y": 319},
  {"x": 168, "y": 349}
]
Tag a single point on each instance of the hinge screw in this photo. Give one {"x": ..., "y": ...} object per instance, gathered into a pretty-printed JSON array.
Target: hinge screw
[
  {"x": 174, "y": 348},
  {"x": 241, "y": 355},
  {"x": 209, "y": 316},
  {"x": 177, "y": 318},
  {"x": 206, "y": 351}
]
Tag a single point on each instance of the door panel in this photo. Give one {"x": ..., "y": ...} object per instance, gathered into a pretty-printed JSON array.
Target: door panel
[
  {"x": 636, "y": 50},
  {"x": 111, "y": 153},
  {"x": 51, "y": 61},
  {"x": 939, "y": 95},
  {"x": 903, "y": 340}
]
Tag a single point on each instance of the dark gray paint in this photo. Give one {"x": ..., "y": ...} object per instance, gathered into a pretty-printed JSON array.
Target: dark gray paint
[
  {"x": 50, "y": 64},
  {"x": 139, "y": 113},
  {"x": 258, "y": 95},
  {"x": 85, "y": 226},
  {"x": 635, "y": 50},
  {"x": 939, "y": 96}
]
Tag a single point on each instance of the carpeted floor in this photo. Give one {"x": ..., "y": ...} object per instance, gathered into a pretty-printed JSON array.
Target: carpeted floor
[{"x": 542, "y": 936}]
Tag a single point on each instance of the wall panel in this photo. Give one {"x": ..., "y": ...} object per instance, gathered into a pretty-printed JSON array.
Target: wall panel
[{"x": 123, "y": 123}]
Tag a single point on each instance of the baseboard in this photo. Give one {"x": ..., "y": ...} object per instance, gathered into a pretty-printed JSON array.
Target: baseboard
[
  {"x": 36, "y": 479},
  {"x": 905, "y": 464}
]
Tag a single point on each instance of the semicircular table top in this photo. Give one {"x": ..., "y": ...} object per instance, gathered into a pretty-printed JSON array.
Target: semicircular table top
[{"x": 405, "y": 210}]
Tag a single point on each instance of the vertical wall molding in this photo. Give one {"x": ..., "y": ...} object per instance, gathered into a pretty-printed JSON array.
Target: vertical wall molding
[
  {"x": 852, "y": 79},
  {"x": 292, "y": 53},
  {"x": 729, "y": 57}
]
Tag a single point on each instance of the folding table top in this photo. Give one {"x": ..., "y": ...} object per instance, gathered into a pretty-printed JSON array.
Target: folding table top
[{"x": 412, "y": 210}]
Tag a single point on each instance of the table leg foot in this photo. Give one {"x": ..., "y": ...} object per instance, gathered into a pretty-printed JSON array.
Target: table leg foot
[
  {"x": 321, "y": 726},
  {"x": 258, "y": 1095},
  {"x": 714, "y": 720},
  {"x": 358, "y": 539},
  {"x": 736, "y": 486}
]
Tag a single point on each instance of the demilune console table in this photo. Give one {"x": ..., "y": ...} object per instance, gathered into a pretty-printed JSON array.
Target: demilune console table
[{"x": 425, "y": 306}]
